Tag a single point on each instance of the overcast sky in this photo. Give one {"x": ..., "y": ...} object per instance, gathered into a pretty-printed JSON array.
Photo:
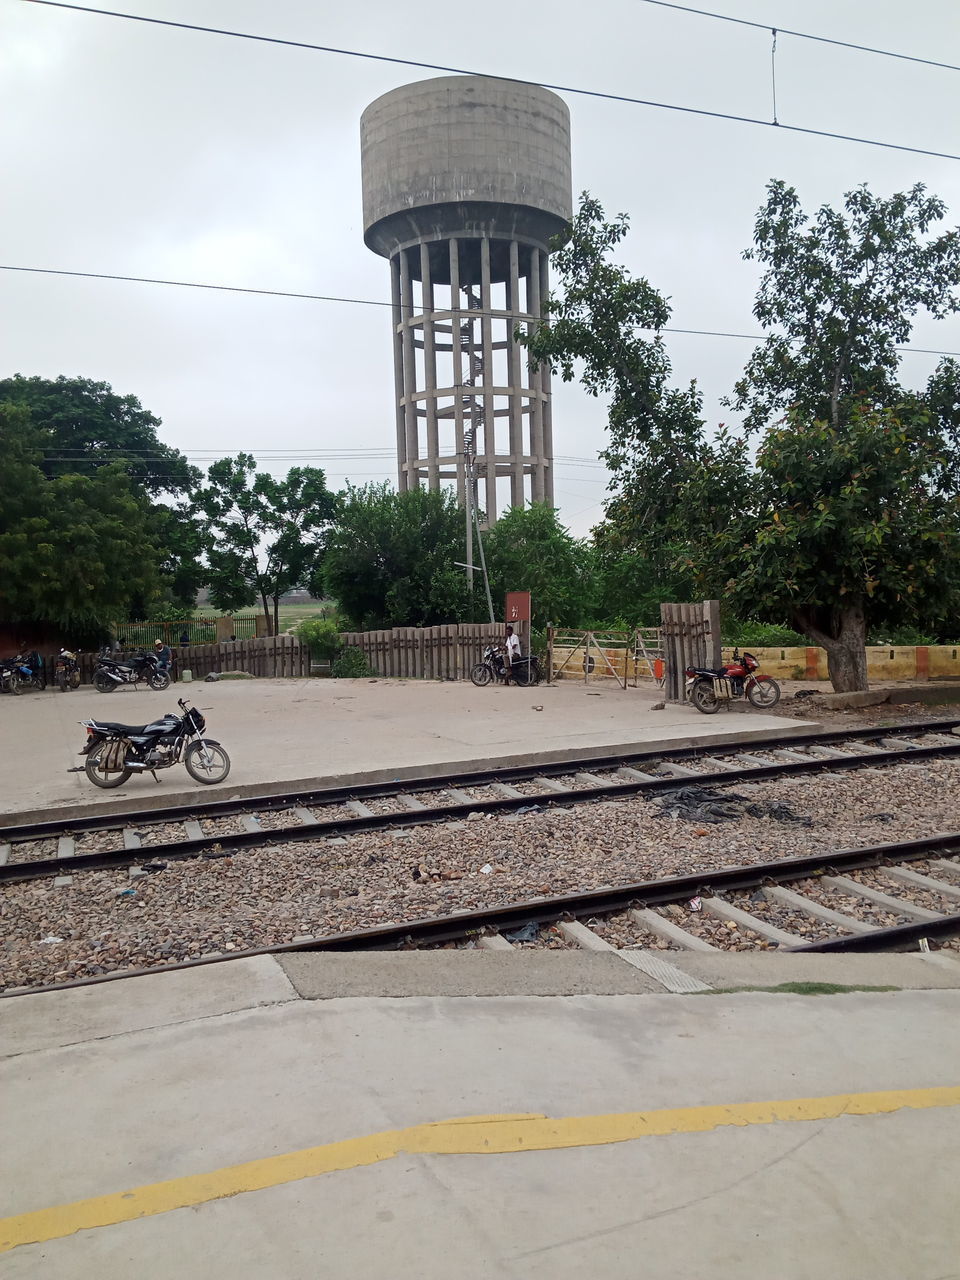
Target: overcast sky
[{"x": 135, "y": 149}]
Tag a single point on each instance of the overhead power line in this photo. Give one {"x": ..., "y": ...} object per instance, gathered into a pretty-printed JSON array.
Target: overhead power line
[
  {"x": 370, "y": 302},
  {"x": 802, "y": 35},
  {"x": 463, "y": 71}
]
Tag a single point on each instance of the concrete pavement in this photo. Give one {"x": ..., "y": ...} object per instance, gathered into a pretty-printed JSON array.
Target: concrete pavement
[
  {"x": 280, "y": 732},
  {"x": 232, "y": 1129}
]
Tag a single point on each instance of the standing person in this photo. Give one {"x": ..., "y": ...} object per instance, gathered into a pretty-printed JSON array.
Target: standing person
[
  {"x": 184, "y": 638},
  {"x": 512, "y": 653}
]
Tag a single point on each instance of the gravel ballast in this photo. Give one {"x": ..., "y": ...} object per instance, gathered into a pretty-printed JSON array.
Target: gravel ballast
[{"x": 104, "y": 921}]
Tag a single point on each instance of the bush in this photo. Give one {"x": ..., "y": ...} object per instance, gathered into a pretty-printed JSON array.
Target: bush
[
  {"x": 761, "y": 635},
  {"x": 900, "y": 636},
  {"x": 322, "y": 637},
  {"x": 351, "y": 664}
]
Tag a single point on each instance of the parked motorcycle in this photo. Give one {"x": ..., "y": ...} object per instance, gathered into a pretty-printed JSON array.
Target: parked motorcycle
[
  {"x": 708, "y": 687},
  {"x": 66, "y": 670},
  {"x": 115, "y": 751},
  {"x": 9, "y": 676},
  {"x": 523, "y": 671},
  {"x": 111, "y": 674},
  {"x": 31, "y": 671}
]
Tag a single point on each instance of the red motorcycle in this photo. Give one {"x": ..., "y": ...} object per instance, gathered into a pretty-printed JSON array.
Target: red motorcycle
[{"x": 709, "y": 687}]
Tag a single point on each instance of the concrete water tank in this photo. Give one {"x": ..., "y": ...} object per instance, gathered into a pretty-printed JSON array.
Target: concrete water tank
[{"x": 466, "y": 179}]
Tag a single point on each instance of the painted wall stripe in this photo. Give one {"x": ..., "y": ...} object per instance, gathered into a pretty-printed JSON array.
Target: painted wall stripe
[{"x": 470, "y": 1135}]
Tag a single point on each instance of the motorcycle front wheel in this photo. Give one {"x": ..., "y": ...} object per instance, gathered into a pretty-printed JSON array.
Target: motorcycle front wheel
[
  {"x": 14, "y": 686},
  {"x": 764, "y": 693},
  {"x": 97, "y": 776},
  {"x": 62, "y": 681},
  {"x": 481, "y": 675},
  {"x": 206, "y": 762},
  {"x": 74, "y": 679},
  {"x": 159, "y": 681},
  {"x": 704, "y": 698},
  {"x": 103, "y": 683}
]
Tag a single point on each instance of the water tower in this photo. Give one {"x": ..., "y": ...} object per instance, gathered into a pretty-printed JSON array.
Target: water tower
[{"x": 465, "y": 181}]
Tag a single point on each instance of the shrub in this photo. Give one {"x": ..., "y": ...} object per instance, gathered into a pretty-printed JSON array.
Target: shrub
[
  {"x": 760, "y": 635},
  {"x": 900, "y": 636},
  {"x": 351, "y": 664},
  {"x": 322, "y": 637}
]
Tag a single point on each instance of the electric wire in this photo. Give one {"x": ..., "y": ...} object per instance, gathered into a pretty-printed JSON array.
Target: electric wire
[
  {"x": 463, "y": 71},
  {"x": 376, "y": 302},
  {"x": 803, "y": 35}
]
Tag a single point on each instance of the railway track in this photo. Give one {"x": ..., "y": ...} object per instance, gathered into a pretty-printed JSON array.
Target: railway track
[
  {"x": 218, "y": 828},
  {"x": 646, "y": 904}
]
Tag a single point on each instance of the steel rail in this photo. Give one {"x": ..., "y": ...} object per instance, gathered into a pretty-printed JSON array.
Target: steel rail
[
  {"x": 224, "y": 845},
  {"x": 440, "y": 782},
  {"x": 464, "y": 924}
]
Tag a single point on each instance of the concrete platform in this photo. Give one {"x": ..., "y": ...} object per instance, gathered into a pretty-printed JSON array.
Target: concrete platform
[
  {"x": 280, "y": 733},
  {"x": 155, "y": 1128}
]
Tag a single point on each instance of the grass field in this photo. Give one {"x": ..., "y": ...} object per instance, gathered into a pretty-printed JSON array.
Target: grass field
[{"x": 290, "y": 614}]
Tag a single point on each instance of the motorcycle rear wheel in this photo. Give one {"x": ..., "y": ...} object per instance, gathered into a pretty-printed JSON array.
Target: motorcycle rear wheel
[
  {"x": 14, "y": 687},
  {"x": 62, "y": 681},
  {"x": 74, "y": 679},
  {"x": 481, "y": 675},
  {"x": 704, "y": 699},
  {"x": 103, "y": 683},
  {"x": 160, "y": 680},
  {"x": 764, "y": 693},
  {"x": 97, "y": 776},
  {"x": 199, "y": 770}
]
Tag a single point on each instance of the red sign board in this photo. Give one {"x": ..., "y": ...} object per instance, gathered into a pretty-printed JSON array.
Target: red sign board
[{"x": 517, "y": 607}]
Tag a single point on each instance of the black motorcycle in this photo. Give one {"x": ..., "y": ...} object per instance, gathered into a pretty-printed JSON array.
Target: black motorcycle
[
  {"x": 523, "y": 671},
  {"x": 146, "y": 667},
  {"x": 31, "y": 670},
  {"x": 9, "y": 676},
  {"x": 115, "y": 751},
  {"x": 66, "y": 670}
]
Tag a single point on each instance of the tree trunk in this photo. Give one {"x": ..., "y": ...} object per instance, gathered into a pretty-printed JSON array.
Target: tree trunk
[{"x": 845, "y": 643}]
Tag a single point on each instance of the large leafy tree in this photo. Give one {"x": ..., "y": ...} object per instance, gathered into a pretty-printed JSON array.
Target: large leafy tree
[
  {"x": 76, "y": 550},
  {"x": 85, "y": 428},
  {"x": 88, "y": 426},
  {"x": 528, "y": 549},
  {"x": 266, "y": 535},
  {"x": 839, "y": 293},
  {"x": 603, "y": 325},
  {"x": 391, "y": 559},
  {"x": 855, "y": 490},
  {"x": 838, "y": 530}
]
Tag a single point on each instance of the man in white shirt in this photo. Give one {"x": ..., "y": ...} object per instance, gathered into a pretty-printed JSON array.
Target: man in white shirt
[{"x": 511, "y": 653}]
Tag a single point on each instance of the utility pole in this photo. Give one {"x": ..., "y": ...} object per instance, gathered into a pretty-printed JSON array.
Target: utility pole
[{"x": 473, "y": 517}]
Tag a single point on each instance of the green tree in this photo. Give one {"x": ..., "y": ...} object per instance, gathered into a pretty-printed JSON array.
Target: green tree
[
  {"x": 840, "y": 291},
  {"x": 84, "y": 427},
  {"x": 838, "y": 530},
  {"x": 391, "y": 559},
  {"x": 89, "y": 426},
  {"x": 595, "y": 329},
  {"x": 266, "y": 535},
  {"x": 76, "y": 550},
  {"x": 528, "y": 549}
]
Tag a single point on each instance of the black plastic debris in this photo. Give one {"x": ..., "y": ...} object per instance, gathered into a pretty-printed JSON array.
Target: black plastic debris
[
  {"x": 707, "y": 806},
  {"x": 526, "y": 933}
]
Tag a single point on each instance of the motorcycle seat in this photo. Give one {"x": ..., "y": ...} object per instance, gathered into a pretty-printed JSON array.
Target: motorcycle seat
[{"x": 113, "y": 727}]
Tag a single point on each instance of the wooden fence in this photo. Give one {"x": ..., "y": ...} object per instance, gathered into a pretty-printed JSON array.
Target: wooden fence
[
  {"x": 691, "y": 638},
  {"x": 426, "y": 653},
  {"x": 266, "y": 656}
]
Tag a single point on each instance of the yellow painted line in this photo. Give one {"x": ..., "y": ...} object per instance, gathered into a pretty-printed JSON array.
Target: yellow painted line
[{"x": 470, "y": 1135}]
